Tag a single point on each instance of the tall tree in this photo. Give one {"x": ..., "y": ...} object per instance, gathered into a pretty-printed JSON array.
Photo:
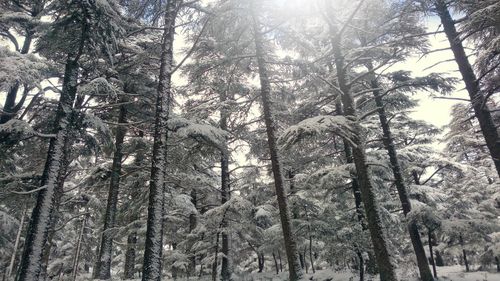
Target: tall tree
[
  {"x": 477, "y": 98},
  {"x": 295, "y": 272}
]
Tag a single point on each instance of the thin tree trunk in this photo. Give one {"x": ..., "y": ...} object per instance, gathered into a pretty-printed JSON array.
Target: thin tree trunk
[
  {"x": 10, "y": 269},
  {"x": 130, "y": 254},
  {"x": 261, "y": 261},
  {"x": 310, "y": 239},
  {"x": 384, "y": 259},
  {"x": 276, "y": 263},
  {"x": 466, "y": 262},
  {"x": 152, "y": 267},
  {"x": 225, "y": 193},
  {"x": 431, "y": 252},
  {"x": 479, "y": 103},
  {"x": 281, "y": 262},
  {"x": 42, "y": 215},
  {"x": 497, "y": 261},
  {"x": 103, "y": 265},
  {"x": 295, "y": 273},
  {"x": 416, "y": 240},
  {"x": 361, "y": 265},
  {"x": 216, "y": 258},
  {"x": 192, "y": 226},
  {"x": 78, "y": 249}
]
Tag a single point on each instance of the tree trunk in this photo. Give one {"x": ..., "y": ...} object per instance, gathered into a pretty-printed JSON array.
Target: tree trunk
[
  {"x": 10, "y": 108},
  {"x": 78, "y": 249},
  {"x": 129, "y": 269},
  {"x": 281, "y": 262},
  {"x": 466, "y": 262},
  {"x": 497, "y": 261},
  {"x": 481, "y": 110},
  {"x": 416, "y": 241},
  {"x": 295, "y": 272},
  {"x": 216, "y": 258},
  {"x": 361, "y": 265},
  {"x": 130, "y": 254},
  {"x": 431, "y": 252},
  {"x": 276, "y": 263},
  {"x": 384, "y": 259},
  {"x": 225, "y": 192},
  {"x": 261, "y": 261},
  {"x": 31, "y": 262},
  {"x": 10, "y": 269},
  {"x": 152, "y": 267},
  {"x": 192, "y": 225},
  {"x": 103, "y": 265}
]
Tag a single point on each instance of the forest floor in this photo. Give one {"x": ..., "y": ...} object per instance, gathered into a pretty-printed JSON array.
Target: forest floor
[{"x": 445, "y": 273}]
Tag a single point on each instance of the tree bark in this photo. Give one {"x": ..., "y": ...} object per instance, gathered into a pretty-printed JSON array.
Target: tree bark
[
  {"x": 225, "y": 192},
  {"x": 103, "y": 265},
  {"x": 192, "y": 225},
  {"x": 31, "y": 262},
  {"x": 478, "y": 100},
  {"x": 416, "y": 240},
  {"x": 295, "y": 272},
  {"x": 384, "y": 259},
  {"x": 152, "y": 267}
]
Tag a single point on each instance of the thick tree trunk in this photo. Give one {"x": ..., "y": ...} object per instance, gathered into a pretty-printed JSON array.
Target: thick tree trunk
[
  {"x": 479, "y": 103},
  {"x": 10, "y": 269},
  {"x": 416, "y": 241},
  {"x": 225, "y": 193},
  {"x": 103, "y": 265},
  {"x": 384, "y": 259},
  {"x": 78, "y": 250},
  {"x": 129, "y": 265},
  {"x": 42, "y": 215},
  {"x": 431, "y": 252},
  {"x": 295, "y": 272},
  {"x": 152, "y": 267}
]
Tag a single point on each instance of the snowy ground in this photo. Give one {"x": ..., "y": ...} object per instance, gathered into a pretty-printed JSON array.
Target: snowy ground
[{"x": 446, "y": 273}]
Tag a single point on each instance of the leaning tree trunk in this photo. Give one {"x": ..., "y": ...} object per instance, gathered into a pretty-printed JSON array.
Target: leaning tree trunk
[
  {"x": 225, "y": 191},
  {"x": 103, "y": 265},
  {"x": 478, "y": 100},
  {"x": 384, "y": 259},
  {"x": 295, "y": 272},
  {"x": 416, "y": 241},
  {"x": 152, "y": 266},
  {"x": 41, "y": 217}
]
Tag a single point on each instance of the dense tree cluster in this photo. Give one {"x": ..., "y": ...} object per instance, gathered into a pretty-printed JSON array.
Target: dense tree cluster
[{"x": 162, "y": 139}]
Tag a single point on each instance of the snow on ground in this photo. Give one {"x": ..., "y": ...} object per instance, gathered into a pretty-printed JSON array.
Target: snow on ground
[{"x": 445, "y": 273}]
